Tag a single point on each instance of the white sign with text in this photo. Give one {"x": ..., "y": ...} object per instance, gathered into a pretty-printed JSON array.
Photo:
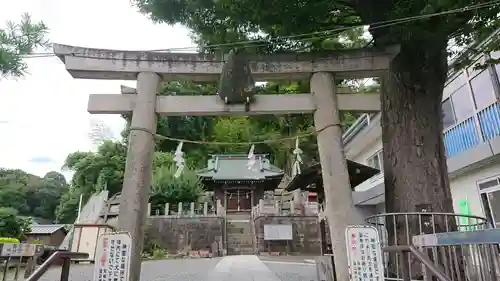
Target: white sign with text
[
  {"x": 112, "y": 258},
  {"x": 278, "y": 232},
  {"x": 364, "y": 254}
]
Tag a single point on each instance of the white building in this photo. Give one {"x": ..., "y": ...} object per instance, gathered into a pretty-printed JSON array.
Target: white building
[{"x": 471, "y": 106}]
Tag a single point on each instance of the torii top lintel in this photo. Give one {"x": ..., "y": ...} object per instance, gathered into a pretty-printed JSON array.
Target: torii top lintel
[{"x": 90, "y": 63}]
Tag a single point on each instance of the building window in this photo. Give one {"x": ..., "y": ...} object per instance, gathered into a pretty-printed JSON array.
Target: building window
[
  {"x": 376, "y": 161},
  {"x": 455, "y": 84},
  {"x": 490, "y": 196},
  {"x": 482, "y": 90},
  {"x": 448, "y": 115},
  {"x": 462, "y": 104}
]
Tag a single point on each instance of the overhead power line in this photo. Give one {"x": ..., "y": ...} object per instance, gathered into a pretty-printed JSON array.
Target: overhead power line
[{"x": 312, "y": 35}]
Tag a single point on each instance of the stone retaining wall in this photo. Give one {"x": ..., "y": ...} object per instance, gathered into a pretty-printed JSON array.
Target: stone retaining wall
[
  {"x": 183, "y": 234},
  {"x": 306, "y": 235}
]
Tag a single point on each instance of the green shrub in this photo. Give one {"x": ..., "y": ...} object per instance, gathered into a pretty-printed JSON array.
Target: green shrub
[
  {"x": 9, "y": 240},
  {"x": 36, "y": 242},
  {"x": 159, "y": 254}
]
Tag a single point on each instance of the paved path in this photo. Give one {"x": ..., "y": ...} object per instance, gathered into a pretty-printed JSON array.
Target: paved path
[
  {"x": 291, "y": 268},
  {"x": 237, "y": 268}
]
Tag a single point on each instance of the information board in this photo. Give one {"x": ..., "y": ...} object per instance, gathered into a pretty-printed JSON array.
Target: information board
[
  {"x": 112, "y": 257},
  {"x": 17, "y": 250},
  {"x": 364, "y": 254},
  {"x": 278, "y": 232}
]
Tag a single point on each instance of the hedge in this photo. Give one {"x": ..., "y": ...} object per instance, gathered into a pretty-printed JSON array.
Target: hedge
[{"x": 9, "y": 240}]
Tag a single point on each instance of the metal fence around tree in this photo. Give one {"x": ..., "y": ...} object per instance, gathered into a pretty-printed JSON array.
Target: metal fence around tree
[{"x": 449, "y": 247}]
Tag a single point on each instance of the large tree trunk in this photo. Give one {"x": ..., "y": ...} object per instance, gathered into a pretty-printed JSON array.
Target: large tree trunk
[
  {"x": 414, "y": 156},
  {"x": 415, "y": 170}
]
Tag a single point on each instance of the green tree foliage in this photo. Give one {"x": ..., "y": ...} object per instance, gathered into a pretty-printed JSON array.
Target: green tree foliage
[
  {"x": 166, "y": 188},
  {"x": 92, "y": 172},
  {"x": 18, "y": 40},
  {"x": 411, "y": 114},
  {"x": 67, "y": 210},
  {"x": 30, "y": 195},
  {"x": 96, "y": 171},
  {"x": 104, "y": 170},
  {"x": 12, "y": 225}
]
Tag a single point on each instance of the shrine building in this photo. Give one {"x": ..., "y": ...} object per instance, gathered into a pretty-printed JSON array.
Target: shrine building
[{"x": 237, "y": 186}]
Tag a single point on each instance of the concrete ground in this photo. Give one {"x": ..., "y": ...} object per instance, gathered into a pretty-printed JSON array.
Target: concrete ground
[{"x": 239, "y": 268}]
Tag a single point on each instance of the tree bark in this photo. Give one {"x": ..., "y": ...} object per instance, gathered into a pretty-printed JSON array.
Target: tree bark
[
  {"x": 415, "y": 169},
  {"x": 414, "y": 155}
]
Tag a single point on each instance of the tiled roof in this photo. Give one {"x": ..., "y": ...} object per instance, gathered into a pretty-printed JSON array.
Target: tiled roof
[
  {"x": 45, "y": 228},
  {"x": 234, "y": 167}
]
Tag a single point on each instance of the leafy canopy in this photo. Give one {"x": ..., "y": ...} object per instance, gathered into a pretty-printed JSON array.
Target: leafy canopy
[
  {"x": 318, "y": 25},
  {"x": 30, "y": 195},
  {"x": 13, "y": 226},
  {"x": 18, "y": 40}
]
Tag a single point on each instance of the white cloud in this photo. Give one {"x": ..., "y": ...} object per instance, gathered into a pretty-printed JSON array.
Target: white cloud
[{"x": 44, "y": 114}]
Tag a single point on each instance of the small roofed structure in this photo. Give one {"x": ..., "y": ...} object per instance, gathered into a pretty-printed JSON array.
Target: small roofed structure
[
  {"x": 310, "y": 179},
  {"x": 237, "y": 186},
  {"x": 46, "y": 234}
]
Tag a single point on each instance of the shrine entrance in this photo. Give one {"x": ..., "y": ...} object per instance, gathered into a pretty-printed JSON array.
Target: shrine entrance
[
  {"x": 325, "y": 100},
  {"x": 239, "y": 199}
]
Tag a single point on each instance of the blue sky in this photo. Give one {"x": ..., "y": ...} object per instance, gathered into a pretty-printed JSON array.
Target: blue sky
[{"x": 43, "y": 116}]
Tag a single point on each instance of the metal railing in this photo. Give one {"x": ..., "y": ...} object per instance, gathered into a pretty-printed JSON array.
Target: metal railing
[
  {"x": 403, "y": 257},
  {"x": 358, "y": 125},
  {"x": 13, "y": 267},
  {"x": 466, "y": 259},
  {"x": 18, "y": 259},
  {"x": 472, "y": 254},
  {"x": 66, "y": 258}
]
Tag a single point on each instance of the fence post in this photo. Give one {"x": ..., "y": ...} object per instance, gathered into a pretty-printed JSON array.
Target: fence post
[
  {"x": 191, "y": 209},
  {"x": 167, "y": 209},
  {"x": 65, "y": 269},
  {"x": 218, "y": 209},
  {"x": 205, "y": 209},
  {"x": 30, "y": 267},
  {"x": 179, "y": 209},
  {"x": 149, "y": 209}
]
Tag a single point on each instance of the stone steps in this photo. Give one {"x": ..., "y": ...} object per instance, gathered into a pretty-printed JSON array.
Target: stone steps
[{"x": 239, "y": 234}]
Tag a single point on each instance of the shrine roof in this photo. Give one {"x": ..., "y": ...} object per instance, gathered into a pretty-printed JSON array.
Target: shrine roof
[
  {"x": 358, "y": 173},
  {"x": 234, "y": 167}
]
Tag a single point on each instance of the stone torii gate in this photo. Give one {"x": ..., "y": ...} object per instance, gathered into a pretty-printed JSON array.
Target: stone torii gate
[{"x": 150, "y": 68}]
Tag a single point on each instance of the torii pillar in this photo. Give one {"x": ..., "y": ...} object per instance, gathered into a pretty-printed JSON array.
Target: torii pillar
[
  {"x": 150, "y": 68},
  {"x": 138, "y": 168},
  {"x": 340, "y": 211}
]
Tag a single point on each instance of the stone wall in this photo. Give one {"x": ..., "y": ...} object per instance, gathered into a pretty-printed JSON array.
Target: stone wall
[
  {"x": 306, "y": 235},
  {"x": 183, "y": 234}
]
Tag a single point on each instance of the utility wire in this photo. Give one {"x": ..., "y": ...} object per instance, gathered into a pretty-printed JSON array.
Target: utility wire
[{"x": 312, "y": 35}]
